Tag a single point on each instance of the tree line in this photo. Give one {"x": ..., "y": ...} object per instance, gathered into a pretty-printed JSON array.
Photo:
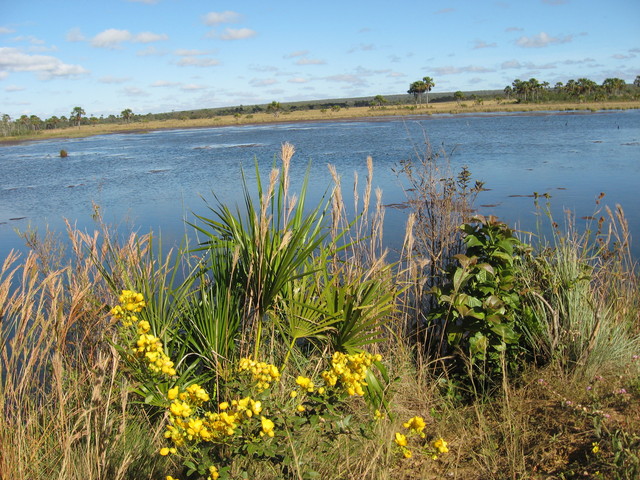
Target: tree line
[
  {"x": 28, "y": 124},
  {"x": 582, "y": 89},
  {"x": 532, "y": 90}
]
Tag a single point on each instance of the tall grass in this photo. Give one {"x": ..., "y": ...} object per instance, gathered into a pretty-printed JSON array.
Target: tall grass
[
  {"x": 65, "y": 408},
  {"x": 281, "y": 280}
]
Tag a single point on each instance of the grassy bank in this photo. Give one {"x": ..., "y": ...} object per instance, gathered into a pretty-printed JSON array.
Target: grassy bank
[
  {"x": 286, "y": 346},
  {"x": 465, "y": 107}
]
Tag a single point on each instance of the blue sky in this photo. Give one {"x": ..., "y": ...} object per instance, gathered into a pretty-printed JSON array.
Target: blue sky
[{"x": 163, "y": 55}]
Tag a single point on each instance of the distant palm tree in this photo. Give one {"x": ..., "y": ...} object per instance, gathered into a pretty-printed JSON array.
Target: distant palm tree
[
  {"x": 127, "y": 114},
  {"x": 429, "y": 84},
  {"x": 76, "y": 115},
  {"x": 417, "y": 89}
]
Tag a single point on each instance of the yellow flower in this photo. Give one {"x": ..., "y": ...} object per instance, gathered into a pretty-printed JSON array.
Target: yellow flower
[
  {"x": 164, "y": 451},
  {"x": 169, "y": 477},
  {"x": 401, "y": 440},
  {"x": 378, "y": 415},
  {"x": 441, "y": 445},
  {"x": 406, "y": 452},
  {"x": 595, "y": 447},
  {"x": 173, "y": 393},
  {"x": 293, "y": 394},
  {"x": 300, "y": 408},
  {"x": 415, "y": 424},
  {"x": 267, "y": 427},
  {"x": 213, "y": 473},
  {"x": 305, "y": 383},
  {"x": 223, "y": 405}
]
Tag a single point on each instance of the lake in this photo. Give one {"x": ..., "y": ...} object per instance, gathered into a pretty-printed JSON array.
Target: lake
[{"x": 156, "y": 180}]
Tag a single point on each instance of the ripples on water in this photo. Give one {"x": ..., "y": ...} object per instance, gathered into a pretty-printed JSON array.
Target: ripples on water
[{"x": 156, "y": 180}]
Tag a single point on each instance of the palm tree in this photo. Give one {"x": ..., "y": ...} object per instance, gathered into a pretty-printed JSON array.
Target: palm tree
[
  {"x": 429, "y": 84},
  {"x": 76, "y": 115},
  {"x": 127, "y": 113},
  {"x": 417, "y": 89}
]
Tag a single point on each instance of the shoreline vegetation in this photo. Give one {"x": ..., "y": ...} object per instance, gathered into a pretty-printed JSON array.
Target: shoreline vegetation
[
  {"x": 286, "y": 346},
  {"x": 140, "y": 125}
]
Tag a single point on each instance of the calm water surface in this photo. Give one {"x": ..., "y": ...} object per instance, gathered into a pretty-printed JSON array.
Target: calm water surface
[{"x": 157, "y": 180}]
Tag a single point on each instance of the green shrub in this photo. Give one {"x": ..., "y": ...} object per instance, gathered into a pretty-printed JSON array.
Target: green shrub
[{"x": 480, "y": 310}]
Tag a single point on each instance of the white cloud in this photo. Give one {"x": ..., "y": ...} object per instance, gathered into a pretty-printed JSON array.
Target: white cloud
[
  {"x": 13, "y": 88},
  {"x": 298, "y": 80},
  {"x": 263, "y": 82},
  {"x": 237, "y": 34},
  {"x": 514, "y": 29},
  {"x": 298, "y": 53},
  {"x": 348, "y": 78},
  {"x": 310, "y": 61},
  {"x": 164, "y": 83},
  {"x": 111, "y": 79},
  {"x": 111, "y": 38},
  {"x": 148, "y": 37},
  {"x": 450, "y": 70},
  {"x": 134, "y": 92},
  {"x": 28, "y": 38},
  {"x": 511, "y": 64},
  {"x": 14, "y": 60},
  {"x": 215, "y": 18},
  {"x": 362, "y": 48},
  {"x": 187, "y": 53},
  {"x": 149, "y": 51},
  {"x": 396, "y": 74},
  {"x": 543, "y": 39},
  {"x": 6, "y": 30},
  {"x": 619, "y": 56},
  {"x": 483, "y": 44},
  {"x": 192, "y": 87},
  {"x": 75, "y": 35},
  {"x": 192, "y": 61}
]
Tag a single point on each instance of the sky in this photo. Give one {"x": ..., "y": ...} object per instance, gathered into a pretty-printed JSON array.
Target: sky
[{"x": 154, "y": 56}]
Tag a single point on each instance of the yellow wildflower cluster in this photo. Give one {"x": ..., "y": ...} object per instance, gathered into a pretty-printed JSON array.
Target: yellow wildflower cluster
[
  {"x": 130, "y": 303},
  {"x": 188, "y": 423},
  {"x": 440, "y": 445},
  {"x": 148, "y": 347},
  {"x": 350, "y": 370},
  {"x": 415, "y": 425},
  {"x": 305, "y": 384},
  {"x": 401, "y": 441},
  {"x": 264, "y": 374},
  {"x": 213, "y": 473},
  {"x": 267, "y": 427}
]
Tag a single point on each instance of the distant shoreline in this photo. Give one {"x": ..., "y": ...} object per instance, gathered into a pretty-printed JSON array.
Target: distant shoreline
[{"x": 316, "y": 116}]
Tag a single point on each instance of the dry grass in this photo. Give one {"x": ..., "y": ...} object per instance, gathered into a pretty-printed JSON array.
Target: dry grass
[{"x": 65, "y": 408}]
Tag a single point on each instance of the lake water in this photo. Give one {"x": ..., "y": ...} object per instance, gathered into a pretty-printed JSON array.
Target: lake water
[{"x": 157, "y": 180}]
